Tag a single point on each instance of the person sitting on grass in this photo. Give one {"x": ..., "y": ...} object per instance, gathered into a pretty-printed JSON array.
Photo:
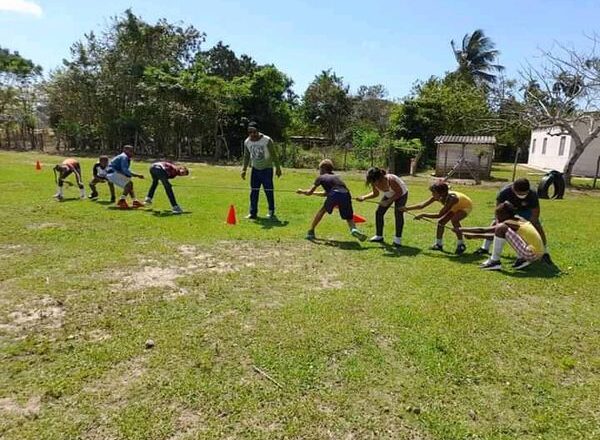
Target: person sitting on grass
[
  {"x": 119, "y": 173},
  {"x": 162, "y": 172},
  {"x": 457, "y": 207},
  {"x": 337, "y": 194},
  {"x": 99, "y": 172},
  {"x": 521, "y": 234},
  {"x": 64, "y": 170},
  {"x": 395, "y": 192},
  {"x": 527, "y": 204}
]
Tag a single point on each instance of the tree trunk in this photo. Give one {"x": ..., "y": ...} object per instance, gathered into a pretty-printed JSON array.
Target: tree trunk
[{"x": 580, "y": 146}]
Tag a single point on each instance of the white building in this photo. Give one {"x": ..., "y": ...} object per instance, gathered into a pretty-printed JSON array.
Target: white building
[{"x": 550, "y": 150}]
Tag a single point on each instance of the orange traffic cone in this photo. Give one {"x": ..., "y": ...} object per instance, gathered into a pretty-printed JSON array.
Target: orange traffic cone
[
  {"x": 358, "y": 218},
  {"x": 38, "y": 165},
  {"x": 231, "y": 219}
]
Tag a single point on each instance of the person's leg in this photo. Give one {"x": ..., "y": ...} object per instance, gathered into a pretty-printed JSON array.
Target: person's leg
[
  {"x": 111, "y": 187},
  {"x": 456, "y": 219},
  {"x": 493, "y": 263},
  {"x": 94, "y": 192},
  {"x": 524, "y": 252},
  {"x": 486, "y": 244},
  {"x": 267, "y": 181},
  {"x": 169, "y": 191},
  {"x": 155, "y": 174},
  {"x": 379, "y": 222},
  {"x": 255, "y": 183},
  {"x": 79, "y": 180},
  {"x": 439, "y": 234},
  {"x": 399, "y": 218},
  {"x": 318, "y": 217}
]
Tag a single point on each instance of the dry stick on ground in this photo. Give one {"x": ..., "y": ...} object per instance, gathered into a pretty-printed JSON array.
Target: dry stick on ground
[{"x": 262, "y": 373}]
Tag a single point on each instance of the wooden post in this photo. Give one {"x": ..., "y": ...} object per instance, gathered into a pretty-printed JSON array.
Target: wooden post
[
  {"x": 517, "y": 161},
  {"x": 597, "y": 170}
]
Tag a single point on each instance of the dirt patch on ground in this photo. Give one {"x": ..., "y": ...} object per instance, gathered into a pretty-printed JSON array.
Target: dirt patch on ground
[
  {"x": 46, "y": 313},
  {"x": 31, "y": 408},
  {"x": 38, "y": 226},
  {"x": 223, "y": 258}
]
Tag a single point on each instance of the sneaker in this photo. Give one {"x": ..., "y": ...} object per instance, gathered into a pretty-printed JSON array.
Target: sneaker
[
  {"x": 122, "y": 204},
  {"x": 481, "y": 251},
  {"x": 177, "y": 210},
  {"x": 376, "y": 239},
  {"x": 491, "y": 265},
  {"x": 251, "y": 216},
  {"x": 93, "y": 196},
  {"x": 147, "y": 201},
  {"x": 137, "y": 204},
  {"x": 437, "y": 247},
  {"x": 271, "y": 215},
  {"x": 58, "y": 197},
  {"x": 520, "y": 264},
  {"x": 356, "y": 233},
  {"x": 460, "y": 249},
  {"x": 397, "y": 245},
  {"x": 310, "y": 235}
]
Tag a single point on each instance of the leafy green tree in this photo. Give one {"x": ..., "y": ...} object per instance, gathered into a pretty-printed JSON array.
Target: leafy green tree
[{"x": 327, "y": 104}]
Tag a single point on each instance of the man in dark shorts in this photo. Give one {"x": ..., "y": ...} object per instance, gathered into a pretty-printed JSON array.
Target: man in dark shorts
[
  {"x": 527, "y": 205},
  {"x": 337, "y": 195},
  {"x": 99, "y": 172}
]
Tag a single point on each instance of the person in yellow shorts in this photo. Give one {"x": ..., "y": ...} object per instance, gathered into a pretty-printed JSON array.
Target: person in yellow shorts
[
  {"x": 520, "y": 234},
  {"x": 456, "y": 207}
]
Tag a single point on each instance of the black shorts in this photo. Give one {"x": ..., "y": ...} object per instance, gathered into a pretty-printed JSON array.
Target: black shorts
[{"x": 342, "y": 200}]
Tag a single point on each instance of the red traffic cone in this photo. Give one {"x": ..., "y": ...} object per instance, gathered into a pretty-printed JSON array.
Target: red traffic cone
[
  {"x": 358, "y": 218},
  {"x": 38, "y": 165},
  {"x": 231, "y": 219}
]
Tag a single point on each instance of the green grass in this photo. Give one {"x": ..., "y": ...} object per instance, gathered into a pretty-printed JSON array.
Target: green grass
[{"x": 357, "y": 336}]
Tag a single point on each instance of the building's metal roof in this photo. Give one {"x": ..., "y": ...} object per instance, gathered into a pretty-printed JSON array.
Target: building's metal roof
[{"x": 452, "y": 139}]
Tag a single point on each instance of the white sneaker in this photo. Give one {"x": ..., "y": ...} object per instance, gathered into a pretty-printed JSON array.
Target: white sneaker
[
  {"x": 490, "y": 265},
  {"x": 376, "y": 239},
  {"x": 147, "y": 201},
  {"x": 176, "y": 209}
]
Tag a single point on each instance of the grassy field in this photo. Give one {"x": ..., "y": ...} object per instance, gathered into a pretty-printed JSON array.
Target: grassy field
[{"x": 260, "y": 334}]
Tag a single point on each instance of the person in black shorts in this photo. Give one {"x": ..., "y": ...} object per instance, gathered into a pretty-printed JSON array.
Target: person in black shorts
[
  {"x": 99, "y": 176},
  {"x": 527, "y": 205},
  {"x": 337, "y": 195}
]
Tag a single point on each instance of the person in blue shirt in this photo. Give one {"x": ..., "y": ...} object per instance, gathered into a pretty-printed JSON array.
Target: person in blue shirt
[{"x": 118, "y": 172}]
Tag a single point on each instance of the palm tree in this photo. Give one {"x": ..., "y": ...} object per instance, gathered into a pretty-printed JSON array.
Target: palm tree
[{"x": 476, "y": 57}]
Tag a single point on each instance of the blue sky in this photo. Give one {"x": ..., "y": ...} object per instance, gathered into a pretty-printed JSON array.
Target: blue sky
[{"x": 366, "y": 42}]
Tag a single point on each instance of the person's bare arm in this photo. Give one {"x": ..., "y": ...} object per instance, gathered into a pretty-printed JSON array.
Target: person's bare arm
[
  {"x": 312, "y": 191},
  {"x": 452, "y": 200},
  {"x": 419, "y": 206},
  {"x": 371, "y": 195}
]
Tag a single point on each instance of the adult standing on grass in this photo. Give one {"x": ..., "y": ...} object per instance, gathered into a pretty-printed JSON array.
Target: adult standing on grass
[
  {"x": 395, "y": 192},
  {"x": 162, "y": 172},
  {"x": 527, "y": 205},
  {"x": 261, "y": 155},
  {"x": 119, "y": 173}
]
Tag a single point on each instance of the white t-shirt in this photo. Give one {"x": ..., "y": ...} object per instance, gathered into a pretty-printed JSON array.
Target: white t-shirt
[
  {"x": 259, "y": 152},
  {"x": 391, "y": 193}
]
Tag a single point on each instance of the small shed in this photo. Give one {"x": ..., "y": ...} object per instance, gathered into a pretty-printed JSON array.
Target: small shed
[{"x": 465, "y": 156}]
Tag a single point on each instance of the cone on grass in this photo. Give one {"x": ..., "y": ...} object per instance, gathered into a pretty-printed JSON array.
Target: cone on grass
[
  {"x": 358, "y": 218},
  {"x": 38, "y": 165},
  {"x": 231, "y": 219}
]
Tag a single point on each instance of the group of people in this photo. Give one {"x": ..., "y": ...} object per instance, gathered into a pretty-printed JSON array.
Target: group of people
[
  {"x": 516, "y": 220},
  {"x": 116, "y": 172}
]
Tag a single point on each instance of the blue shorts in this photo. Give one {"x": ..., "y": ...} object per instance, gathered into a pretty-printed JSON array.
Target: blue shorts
[{"x": 342, "y": 200}]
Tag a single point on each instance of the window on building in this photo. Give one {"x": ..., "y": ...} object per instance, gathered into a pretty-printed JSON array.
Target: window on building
[
  {"x": 561, "y": 148},
  {"x": 544, "y": 145},
  {"x": 533, "y": 146}
]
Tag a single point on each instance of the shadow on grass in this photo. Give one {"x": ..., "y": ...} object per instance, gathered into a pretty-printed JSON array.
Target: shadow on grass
[
  {"x": 103, "y": 202},
  {"x": 536, "y": 270},
  {"x": 70, "y": 199},
  {"x": 392, "y": 251},
  {"x": 345, "y": 245},
  {"x": 168, "y": 213},
  {"x": 267, "y": 223},
  {"x": 130, "y": 209}
]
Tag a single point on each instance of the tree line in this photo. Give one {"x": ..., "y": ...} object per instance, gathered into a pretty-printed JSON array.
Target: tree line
[{"x": 156, "y": 87}]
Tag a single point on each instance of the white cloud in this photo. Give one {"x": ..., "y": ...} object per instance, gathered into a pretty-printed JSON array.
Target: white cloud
[{"x": 21, "y": 6}]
